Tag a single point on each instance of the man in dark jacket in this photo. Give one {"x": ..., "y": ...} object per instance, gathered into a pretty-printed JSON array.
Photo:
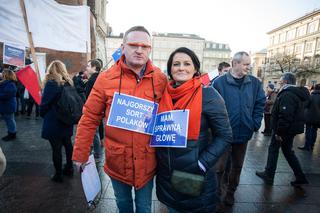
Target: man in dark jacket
[
  {"x": 312, "y": 118},
  {"x": 245, "y": 99},
  {"x": 287, "y": 121},
  {"x": 80, "y": 85},
  {"x": 93, "y": 69}
]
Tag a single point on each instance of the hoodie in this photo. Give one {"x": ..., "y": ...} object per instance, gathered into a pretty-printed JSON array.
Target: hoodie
[{"x": 288, "y": 110}]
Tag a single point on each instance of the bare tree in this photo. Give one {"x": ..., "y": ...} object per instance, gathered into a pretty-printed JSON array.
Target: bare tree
[{"x": 281, "y": 63}]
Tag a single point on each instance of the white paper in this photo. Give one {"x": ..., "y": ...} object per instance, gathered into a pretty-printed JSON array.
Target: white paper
[{"x": 90, "y": 180}]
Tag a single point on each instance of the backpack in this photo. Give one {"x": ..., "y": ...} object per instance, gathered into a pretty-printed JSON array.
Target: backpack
[{"x": 69, "y": 105}]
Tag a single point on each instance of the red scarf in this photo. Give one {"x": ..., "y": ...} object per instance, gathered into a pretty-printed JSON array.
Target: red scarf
[{"x": 189, "y": 93}]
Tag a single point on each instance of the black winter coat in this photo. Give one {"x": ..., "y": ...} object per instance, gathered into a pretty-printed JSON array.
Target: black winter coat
[
  {"x": 90, "y": 83},
  {"x": 52, "y": 127},
  {"x": 215, "y": 136},
  {"x": 312, "y": 110},
  {"x": 288, "y": 111}
]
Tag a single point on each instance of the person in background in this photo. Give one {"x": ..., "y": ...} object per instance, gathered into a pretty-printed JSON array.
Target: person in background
[
  {"x": 270, "y": 99},
  {"x": 93, "y": 69},
  {"x": 287, "y": 121},
  {"x": 30, "y": 103},
  {"x": 209, "y": 134},
  {"x": 130, "y": 162},
  {"x": 80, "y": 84},
  {"x": 19, "y": 97},
  {"x": 223, "y": 68},
  {"x": 58, "y": 133},
  {"x": 312, "y": 118},
  {"x": 245, "y": 100},
  {"x": 8, "y": 102},
  {"x": 101, "y": 126}
]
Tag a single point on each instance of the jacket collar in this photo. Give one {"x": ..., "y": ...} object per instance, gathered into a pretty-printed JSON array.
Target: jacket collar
[
  {"x": 231, "y": 80},
  {"x": 148, "y": 69}
]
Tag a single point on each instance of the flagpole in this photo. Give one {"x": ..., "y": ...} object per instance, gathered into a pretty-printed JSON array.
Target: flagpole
[{"x": 33, "y": 52}]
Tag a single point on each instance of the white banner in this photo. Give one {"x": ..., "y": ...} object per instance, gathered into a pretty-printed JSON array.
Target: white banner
[
  {"x": 11, "y": 23},
  {"x": 53, "y": 25}
]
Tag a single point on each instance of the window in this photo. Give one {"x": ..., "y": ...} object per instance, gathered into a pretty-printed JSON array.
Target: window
[
  {"x": 317, "y": 60},
  {"x": 276, "y": 39},
  {"x": 271, "y": 40},
  {"x": 297, "y": 49},
  {"x": 289, "y": 50},
  {"x": 301, "y": 31},
  {"x": 318, "y": 44},
  {"x": 308, "y": 47},
  {"x": 291, "y": 34},
  {"x": 282, "y": 37},
  {"x": 312, "y": 27}
]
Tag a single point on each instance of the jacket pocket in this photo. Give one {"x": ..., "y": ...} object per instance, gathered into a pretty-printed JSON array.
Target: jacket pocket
[
  {"x": 150, "y": 159},
  {"x": 115, "y": 158}
]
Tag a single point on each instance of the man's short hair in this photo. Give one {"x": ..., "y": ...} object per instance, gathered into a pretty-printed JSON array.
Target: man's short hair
[
  {"x": 317, "y": 87},
  {"x": 223, "y": 65},
  {"x": 135, "y": 28},
  {"x": 96, "y": 63},
  {"x": 238, "y": 56},
  {"x": 289, "y": 78}
]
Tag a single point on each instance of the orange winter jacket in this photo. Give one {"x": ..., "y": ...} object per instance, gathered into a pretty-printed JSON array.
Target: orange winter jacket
[{"x": 129, "y": 158}]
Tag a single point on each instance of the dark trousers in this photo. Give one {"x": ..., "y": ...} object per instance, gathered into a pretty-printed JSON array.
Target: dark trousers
[
  {"x": 23, "y": 104},
  {"x": 56, "y": 146},
  {"x": 267, "y": 122},
  {"x": 286, "y": 147},
  {"x": 30, "y": 103},
  {"x": 310, "y": 136},
  {"x": 230, "y": 177}
]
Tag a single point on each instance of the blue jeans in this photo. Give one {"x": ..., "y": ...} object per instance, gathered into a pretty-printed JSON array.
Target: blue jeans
[
  {"x": 286, "y": 147},
  {"x": 10, "y": 122},
  {"x": 123, "y": 194},
  {"x": 311, "y": 136}
]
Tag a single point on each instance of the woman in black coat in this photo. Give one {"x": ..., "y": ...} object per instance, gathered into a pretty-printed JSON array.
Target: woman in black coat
[
  {"x": 186, "y": 179},
  {"x": 58, "y": 133}
]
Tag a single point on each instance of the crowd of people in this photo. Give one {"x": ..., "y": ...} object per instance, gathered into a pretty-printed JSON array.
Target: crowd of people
[{"x": 223, "y": 116}]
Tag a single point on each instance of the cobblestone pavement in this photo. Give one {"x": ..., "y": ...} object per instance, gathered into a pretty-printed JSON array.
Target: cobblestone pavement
[{"x": 26, "y": 185}]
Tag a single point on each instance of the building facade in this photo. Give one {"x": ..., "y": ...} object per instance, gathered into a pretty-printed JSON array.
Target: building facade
[
  {"x": 298, "y": 39},
  {"x": 258, "y": 63},
  {"x": 113, "y": 43},
  {"x": 209, "y": 53},
  {"x": 165, "y": 43},
  {"x": 213, "y": 54}
]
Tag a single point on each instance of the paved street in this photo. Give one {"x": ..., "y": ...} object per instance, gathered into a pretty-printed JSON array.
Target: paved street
[{"x": 26, "y": 185}]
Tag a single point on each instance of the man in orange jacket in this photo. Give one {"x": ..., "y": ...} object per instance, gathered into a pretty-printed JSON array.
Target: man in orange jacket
[{"x": 130, "y": 161}]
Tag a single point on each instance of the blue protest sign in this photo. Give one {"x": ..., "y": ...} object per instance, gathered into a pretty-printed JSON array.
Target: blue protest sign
[
  {"x": 132, "y": 113},
  {"x": 13, "y": 54},
  {"x": 171, "y": 129},
  {"x": 117, "y": 54}
]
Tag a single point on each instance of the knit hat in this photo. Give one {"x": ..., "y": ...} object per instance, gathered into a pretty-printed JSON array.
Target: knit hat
[{"x": 271, "y": 86}]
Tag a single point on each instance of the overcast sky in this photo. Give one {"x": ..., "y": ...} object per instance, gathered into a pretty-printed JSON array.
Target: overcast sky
[{"x": 242, "y": 24}]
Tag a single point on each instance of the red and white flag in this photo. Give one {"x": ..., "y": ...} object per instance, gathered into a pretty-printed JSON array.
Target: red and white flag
[{"x": 28, "y": 78}]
